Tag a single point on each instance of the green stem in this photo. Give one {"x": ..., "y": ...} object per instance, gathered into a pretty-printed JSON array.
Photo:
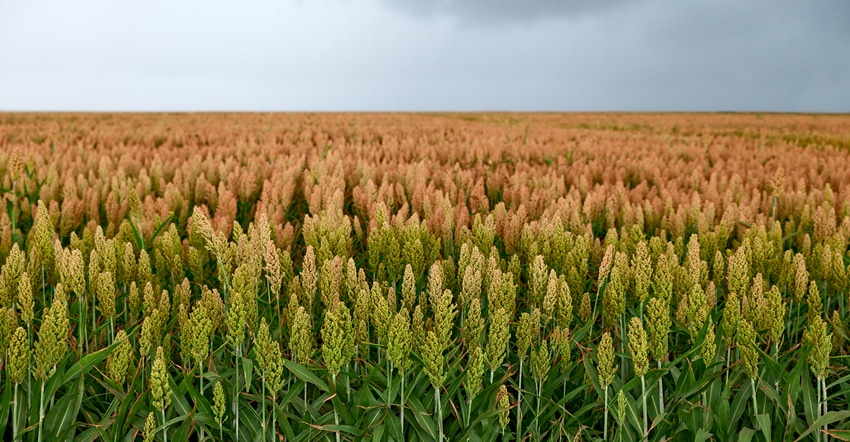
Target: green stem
[
  {"x": 164, "y": 432},
  {"x": 40, "y": 411},
  {"x": 236, "y": 393},
  {"x": 537, "y": 416},
  {"x": 93, "y": 315},
  {"x": 660, "y": 392},
  {"x": 605, "y": 427},
  {"x": 820, "y": 406},
  {"x": 439, "y": 414},
  {"x": 264, "y": 405},
  {"x": 15, "y": 415},
  {"x": 825, "y": 401},
  {"x": 755, "y": 403},
  {"x": 645, "y": 420},
  {"x": 519, "y": 402},
  {"x": 201, "y": 380},
  {"x": 336, "y": 415},
  {"x": 401, "y": 404},
  {"x": 274, "y": 402},
  {"x": 81, "y": 330}
]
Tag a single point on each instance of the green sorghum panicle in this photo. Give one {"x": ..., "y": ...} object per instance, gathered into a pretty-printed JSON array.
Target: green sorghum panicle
[
  {"x": 503, "y": 405},
  {"x": 662, "y": 278},
  {"x": 134, "y": 301},
  {"x": 263, "y": 344},
  {"x": 474, "y": 372},
  {"x": 564, "y": 304},
  {"x": 605, "y": 360},
  {"x": 160, "y": 390},
  {"x": 417, "y": 329},
  {"x": 120, "y": 363},
  {"x": 444, "y": 316},
  {"x": 820, "y": 342},
  {"x": 775, "y": 314},
  {"x": 301, "y": 336},
  {"x": 219, "y": 402},
  {"x": 541, "y": 362},
  {"x": 561, "y": 340},
  {"x": 52, "y": 337},
  {"x": 8, "y": 320},
  {"x": 801, "y": 278},
  {"x": 621, "y": 407},
  {"x": 738, "y": 271},
  {"x": 551, "y": 298},
  {"x": 337, "y": 338},
  {"x": 473, "y": 325},
  {"x": 584, "y": 309},
  {"x": 747, "y": 348},
  {"x": 605, "y": 267},
  {"x": 18, "y": 356},
  {"x": 13, "y": 268},
  {"x": 274, "y": 276},
  {"x": 538, "y": 279},
  {"x": 269, "y": 358},
  {"x": 718, "y": 271},
  {"x": 399, "y": 342},
  {"x": 527, "y": 331},
  {"x": 150, "y": 428},
  {"x": 641, "y": 271},
  {"x": 697, "y": 310},
  {"x": 638, "y": 346},
  {"x": 814, "y": 301},
  {"x": 470, "y": 286},
  {"x": 150, "y": 335},
  {"x": 731, "y": 317},
  {"x": 128, "y": 263},
  {"x": 199, "y": 331},
  {"x": 432, "y": 358},
  {"x": 658, "y": 323},
  {"x": 25, "y": 302},
  {"x": 613, "y": 299},
  {"x": 380, "y": 312},
  {"x": 693, "y": 260},
  {"x": 709, "y": 347},
  {"x": 497, "y": 338},
  {"x": 237, "y": 316},
  {"x": 408, "y": 289},
  {"x": 106, "y": 294}
]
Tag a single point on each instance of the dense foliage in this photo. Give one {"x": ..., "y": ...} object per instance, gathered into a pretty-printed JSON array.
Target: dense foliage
[{"x": 424, "y": 277}]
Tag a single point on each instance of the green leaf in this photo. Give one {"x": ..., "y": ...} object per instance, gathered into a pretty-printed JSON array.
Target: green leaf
[
  {"x": 826, "y": 419},
  {"x": 764, "y": 425},
  {"x": 303, "y": 373},
  {"x": 839, "y": 434},
  {"x": 63, "y": 414}
]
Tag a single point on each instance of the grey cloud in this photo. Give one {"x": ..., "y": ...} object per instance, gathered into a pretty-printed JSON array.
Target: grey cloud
[
  {"x": 503, "y": 12},
  {"x": 761, "y": 55}
]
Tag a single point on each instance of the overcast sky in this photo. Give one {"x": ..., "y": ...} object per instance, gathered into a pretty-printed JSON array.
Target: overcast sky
[{"x": 571, "y": 55}]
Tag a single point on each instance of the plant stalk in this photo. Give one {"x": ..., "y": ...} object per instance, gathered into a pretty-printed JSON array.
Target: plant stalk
[
  {"x": 660, "y": 392},
  {"x": 401, "y": 404},
  {"x": 40, "y": 411},
  {"x": 605, "y": 428},
  {"x": 645, "y": 420},
  {"x": 519, "y": 402},
  {"x": 439, "y": 414},
  {"x": 336, "y": 415}
]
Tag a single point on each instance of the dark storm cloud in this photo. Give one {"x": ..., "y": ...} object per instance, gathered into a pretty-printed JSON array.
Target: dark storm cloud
[{"x": 762, "y": 55}]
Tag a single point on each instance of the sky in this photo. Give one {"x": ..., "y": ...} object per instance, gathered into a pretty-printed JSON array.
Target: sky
[{"x": 434, "y": 55}]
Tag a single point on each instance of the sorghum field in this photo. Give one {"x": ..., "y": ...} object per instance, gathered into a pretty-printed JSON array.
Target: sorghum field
[{"x": 424, "y": 277}]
